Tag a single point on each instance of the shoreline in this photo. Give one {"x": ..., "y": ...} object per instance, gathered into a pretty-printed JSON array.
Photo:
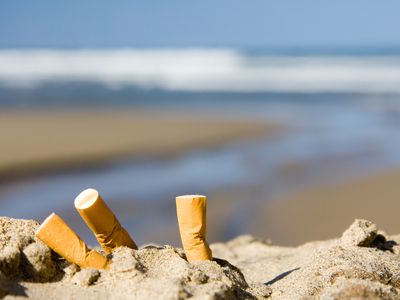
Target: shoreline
[{"x": 86, "y": 139}]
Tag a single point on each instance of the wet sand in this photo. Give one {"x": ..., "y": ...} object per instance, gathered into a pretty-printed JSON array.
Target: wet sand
[
  {"x": 36, "y": 141},
  {"x": 323, "y": 212}
]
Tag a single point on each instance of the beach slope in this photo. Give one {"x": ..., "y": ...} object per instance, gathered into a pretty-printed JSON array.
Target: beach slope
[{"x": 53, "y": 140}]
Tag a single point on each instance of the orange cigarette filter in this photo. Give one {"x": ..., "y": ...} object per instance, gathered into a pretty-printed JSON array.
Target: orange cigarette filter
[
  {"x": 56, "y": 234},
  {"x": 102, "y": 221},
  {"x": 191, "y": 212}
]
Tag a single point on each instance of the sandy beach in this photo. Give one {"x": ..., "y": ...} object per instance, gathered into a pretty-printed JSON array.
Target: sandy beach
[
  {"x": 324, "y": 211},
  {"x": 47, "y": 141},
  {"x": 303, "y": 249},
  {"x": 38, "y": 141},
  {"x": 202, "y": 151}
]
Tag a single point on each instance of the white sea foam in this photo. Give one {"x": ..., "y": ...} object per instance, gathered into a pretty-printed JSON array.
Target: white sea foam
[{"x": 201, "y": 70}]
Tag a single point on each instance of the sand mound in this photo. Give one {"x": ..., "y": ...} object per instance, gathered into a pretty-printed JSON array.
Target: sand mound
[
  {"x": 363, "y": 263},
  {"x": 148, "y": 273},
  {"x": 21, "y": 255}
]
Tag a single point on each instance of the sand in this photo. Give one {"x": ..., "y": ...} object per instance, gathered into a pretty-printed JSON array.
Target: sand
[
  {"x": 29, "y": 269},
  {"x": 39, "y": 141},
  {"x": 364, "y": 263},
  {"x": 322, "y": 212}
]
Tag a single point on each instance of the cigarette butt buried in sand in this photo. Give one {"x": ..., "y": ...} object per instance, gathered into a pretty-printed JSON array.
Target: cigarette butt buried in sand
[
  {"x": 191, "y": 212},
  {"x": 102, "y": 221},
  {"x": 56, "y": 234}
]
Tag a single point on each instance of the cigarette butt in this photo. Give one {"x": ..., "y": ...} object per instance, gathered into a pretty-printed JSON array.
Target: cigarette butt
[
  {"x": 102, "y": 221},
  {"x": 191, "y": 212},
  {"x": 56, "y": 234}
]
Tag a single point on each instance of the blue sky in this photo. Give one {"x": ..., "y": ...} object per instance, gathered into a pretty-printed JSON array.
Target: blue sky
[{"x": 205, "y": 23}]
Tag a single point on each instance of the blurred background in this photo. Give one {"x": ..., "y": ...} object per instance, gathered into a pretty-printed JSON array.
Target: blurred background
[{"x": 285, "y": 114}]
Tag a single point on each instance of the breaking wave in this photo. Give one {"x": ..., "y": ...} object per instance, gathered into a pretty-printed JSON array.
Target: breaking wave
[{"x": 201, "y": 70}]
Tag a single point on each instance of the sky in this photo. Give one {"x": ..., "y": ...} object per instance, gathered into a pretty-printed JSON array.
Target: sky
[{"x": 205, "y": 23}]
